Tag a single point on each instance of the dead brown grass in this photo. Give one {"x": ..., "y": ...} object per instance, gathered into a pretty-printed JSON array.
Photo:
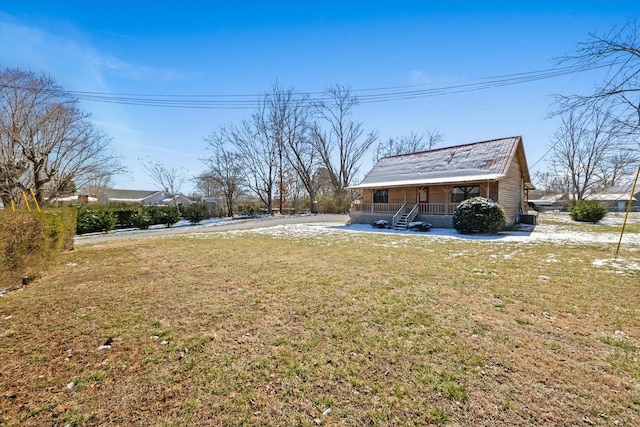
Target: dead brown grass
[{"x": 243, "y": 329}]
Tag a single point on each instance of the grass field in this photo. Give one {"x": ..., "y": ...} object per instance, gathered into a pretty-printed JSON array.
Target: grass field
[{"x": 336, "y": 328}]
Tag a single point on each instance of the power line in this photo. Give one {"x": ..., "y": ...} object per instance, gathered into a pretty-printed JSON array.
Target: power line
[{"x": 364, "y": 96}]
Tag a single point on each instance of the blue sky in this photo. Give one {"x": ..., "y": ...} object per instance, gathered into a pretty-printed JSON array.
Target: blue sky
[{"x": 183, "y": 48}]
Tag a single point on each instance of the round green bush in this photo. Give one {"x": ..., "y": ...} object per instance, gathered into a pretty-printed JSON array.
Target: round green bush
[
  {"x": 479, "y": 215},
  {"x": 587, "y": 211}
]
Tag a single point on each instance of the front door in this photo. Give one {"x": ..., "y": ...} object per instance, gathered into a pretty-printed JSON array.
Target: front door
[{"x": 423, "y": 195}]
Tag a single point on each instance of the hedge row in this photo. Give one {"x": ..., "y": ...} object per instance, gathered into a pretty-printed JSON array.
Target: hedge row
[
  {"x": 104, "y": 219},
  {"x": 31, "y": 240},
  {"x": 92, "y": 219}
]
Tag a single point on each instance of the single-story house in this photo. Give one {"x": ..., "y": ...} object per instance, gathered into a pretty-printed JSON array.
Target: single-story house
[
  {"x": 617, "y": 198},
  {"x": 72, "y": 199},
  {"x": 178, "y": 200},
  {"x": 428, "y": 186},
  {"x": 549, "y": 202},
  {"x": 141, "y": 197}
]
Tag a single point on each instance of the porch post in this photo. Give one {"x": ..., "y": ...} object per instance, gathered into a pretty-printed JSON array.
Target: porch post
[{"x": 372, "y": 192}]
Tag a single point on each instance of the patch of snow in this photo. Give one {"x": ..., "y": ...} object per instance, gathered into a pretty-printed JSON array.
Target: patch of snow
[{"x": 617, "y": 264}]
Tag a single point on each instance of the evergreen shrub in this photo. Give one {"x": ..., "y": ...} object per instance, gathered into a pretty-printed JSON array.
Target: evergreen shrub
[
  {"x": 587, "y": 211},
  {"x": 195, "y": 212},
  {"x": 141, "y": 219},
  {"x": 92, "y": 219},
  {"x": 167, "y": 215},
  {"x": 479, "y": 215}
]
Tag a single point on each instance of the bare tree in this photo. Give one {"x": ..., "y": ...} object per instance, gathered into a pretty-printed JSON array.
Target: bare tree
[
  {"x": 343, "y": 135},
  {"x": 169, "y": 178},
  {"x": 96, "y": 186},
  {"x": 225, "y": 167},
  {"x": 48, "y": 143},
  {"x": 618, "y": 52},
  {"x": 581, "y": 146},
  {"x": 548, "y": 182},
  {"x": 295, "y": 130},
  {"x": 411, "y": 143},
  {"x": 617, "y": 169},
  {"x": 206, "y": 185},
  {"x": 259, "y": 152},
  {"x": 14, "y": 168},
  {"x": 284, "y": 128}
]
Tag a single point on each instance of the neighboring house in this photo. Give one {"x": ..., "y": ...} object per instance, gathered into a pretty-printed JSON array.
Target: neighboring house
[
  {"x": 138, "y": 197},
  {"x": 617, "y": 198},
  {"x": 429, "y": 185},
  {"x": 72, "y": 199},
  {"x": 178, "y": 200},
  {"x": 549, "y": 202}
]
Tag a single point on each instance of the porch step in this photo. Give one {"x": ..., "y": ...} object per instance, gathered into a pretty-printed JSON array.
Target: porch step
[{"x": 402, "y": 223}]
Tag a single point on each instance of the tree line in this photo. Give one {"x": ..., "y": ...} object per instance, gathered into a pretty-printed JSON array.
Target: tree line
[
  {"x": 291, "y": 144},
  {"x": 293, "y": 147}
]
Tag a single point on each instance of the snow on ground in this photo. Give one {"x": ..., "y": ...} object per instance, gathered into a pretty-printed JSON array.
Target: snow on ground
[
  {"x": 563, "y": 231},
  {"x": 541, "y": 233},
  {"x": 526, "y": 234}
]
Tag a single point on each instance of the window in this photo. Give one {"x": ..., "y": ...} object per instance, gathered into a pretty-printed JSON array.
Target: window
[
  {"x": 458, "y": 194},
  {"x": 381, "y": 196}
]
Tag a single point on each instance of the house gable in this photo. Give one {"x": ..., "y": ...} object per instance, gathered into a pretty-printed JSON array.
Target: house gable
[{"x": 476, "y": 162}]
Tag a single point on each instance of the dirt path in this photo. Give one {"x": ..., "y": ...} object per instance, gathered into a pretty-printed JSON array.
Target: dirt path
[{"x": 238, "y": 224}]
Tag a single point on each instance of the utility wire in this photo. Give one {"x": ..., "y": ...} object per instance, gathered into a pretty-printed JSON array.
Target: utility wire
[{"x": 364, "y": 96}]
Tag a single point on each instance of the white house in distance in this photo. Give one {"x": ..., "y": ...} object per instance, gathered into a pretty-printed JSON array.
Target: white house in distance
[
  {"x": 142, "y": 197},
  {"x": 428, "y": 186},
  {"x": 617, "y": 198}
]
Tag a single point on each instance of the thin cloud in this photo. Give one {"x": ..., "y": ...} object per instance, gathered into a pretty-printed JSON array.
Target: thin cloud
[
  {"x": 417, "y": 77},
  {"x": 41, "y": 50}
]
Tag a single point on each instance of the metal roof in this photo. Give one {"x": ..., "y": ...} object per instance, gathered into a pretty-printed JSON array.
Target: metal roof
[
  {"x": 476, "y": 162},
  {"x": 116, "y": 195}
]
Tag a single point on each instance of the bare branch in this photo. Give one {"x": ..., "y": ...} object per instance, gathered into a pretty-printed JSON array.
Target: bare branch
[{"x": 48, "y": 144}]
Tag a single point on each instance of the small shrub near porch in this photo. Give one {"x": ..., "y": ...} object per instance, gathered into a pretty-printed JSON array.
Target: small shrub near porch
[{"x": 479, "y": 215}]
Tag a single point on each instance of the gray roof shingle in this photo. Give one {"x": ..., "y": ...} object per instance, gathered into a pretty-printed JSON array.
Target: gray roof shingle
[{"x": 479, "y": 161}]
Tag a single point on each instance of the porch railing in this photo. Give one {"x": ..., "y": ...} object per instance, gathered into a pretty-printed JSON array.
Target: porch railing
[
  {"x": 376, "y": 207},
  {"x": 437, "y": 208},
  {"x": 398, "y": 214},
  {"x": 412, "y": 213},
  {"x": 423, "y": 208}
]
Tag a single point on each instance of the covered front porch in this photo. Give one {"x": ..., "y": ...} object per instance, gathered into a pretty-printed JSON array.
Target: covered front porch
[
  {"x": 399, "y": 206},
  {"x": 399, "y": 215}
]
